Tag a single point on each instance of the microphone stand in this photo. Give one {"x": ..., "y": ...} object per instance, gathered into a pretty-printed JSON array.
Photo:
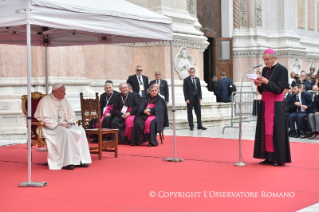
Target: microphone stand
[{"x": 240, "y": 163}]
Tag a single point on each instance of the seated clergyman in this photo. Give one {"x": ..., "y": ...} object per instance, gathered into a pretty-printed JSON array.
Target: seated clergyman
[
  {"x": 107, "y": 100},
  {"x": 67, "y": 143},
  {"x": 150, "y": 119},
  {"x": 125, "y": 107}
]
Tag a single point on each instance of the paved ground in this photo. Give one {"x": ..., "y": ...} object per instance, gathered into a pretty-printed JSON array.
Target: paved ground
[{"x": 248, "y": 133}]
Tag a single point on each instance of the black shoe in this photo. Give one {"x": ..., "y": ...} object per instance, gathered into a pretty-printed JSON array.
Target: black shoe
[
  {"x": 265, "y": 162},
  {"x": 279, "y": 164},
  {"x": 292, "y": 134},
  {"x": 191, "y": 128},
  {"x": 132, "y": 144},
  {"x": 150, "y": 144},
  {"x": 201, "y": 128},
  {"x": 68, "y": 167},
  {"x": 82, "y": 165},
  {"x": 297, "y": 135},
  {"x": 303, "y": 136}
]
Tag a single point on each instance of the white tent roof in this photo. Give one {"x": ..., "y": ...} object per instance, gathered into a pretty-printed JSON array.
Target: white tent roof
[{"x": 81, "y": 22}]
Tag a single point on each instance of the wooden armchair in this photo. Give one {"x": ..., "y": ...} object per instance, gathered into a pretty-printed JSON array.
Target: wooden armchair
[
  {"x": 90, "y": 109},
  {"x": 36, "y": 139}
]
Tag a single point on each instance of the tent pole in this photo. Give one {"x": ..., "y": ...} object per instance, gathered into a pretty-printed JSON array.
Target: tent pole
[
  {"x": 175, "y": 159},
  {"x": 29, "y": 117},
  {"x": 46, "y": 70}
]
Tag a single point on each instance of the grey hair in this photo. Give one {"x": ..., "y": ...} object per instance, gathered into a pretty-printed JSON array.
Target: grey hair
[
  {"x": 138, "y": 66},
  {"x": 223, "y": 73},
  {"x": 158, "y": 72},
  {"x": 123, "y": 83},
  {"x": 153, "y": 86},
  {"x": 272, "y": 55},
  {"x": 108, "y": 83},
  {"x": 214, "y": 77}
]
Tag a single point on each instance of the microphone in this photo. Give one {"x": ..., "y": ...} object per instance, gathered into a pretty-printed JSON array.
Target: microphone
[{"x": 256, "y": 66}]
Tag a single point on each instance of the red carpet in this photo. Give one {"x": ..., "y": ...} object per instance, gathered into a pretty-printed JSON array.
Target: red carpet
[{"x": 124, "y": 183}]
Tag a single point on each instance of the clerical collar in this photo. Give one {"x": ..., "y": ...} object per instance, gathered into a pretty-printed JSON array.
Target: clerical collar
[{"x": 274, "y": 65}]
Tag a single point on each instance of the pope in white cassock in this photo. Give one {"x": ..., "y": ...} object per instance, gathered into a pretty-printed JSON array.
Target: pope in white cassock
[{"x": 67, "y": 143}]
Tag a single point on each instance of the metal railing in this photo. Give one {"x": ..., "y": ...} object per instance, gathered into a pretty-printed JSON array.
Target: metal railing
[{"x": 247, "y": 107}]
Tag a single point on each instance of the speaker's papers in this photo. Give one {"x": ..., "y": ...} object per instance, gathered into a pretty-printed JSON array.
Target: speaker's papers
[{"x": 252, "y": 76}]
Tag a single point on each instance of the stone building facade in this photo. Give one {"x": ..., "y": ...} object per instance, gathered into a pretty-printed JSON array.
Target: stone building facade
[{"x": 291, "y": 27}]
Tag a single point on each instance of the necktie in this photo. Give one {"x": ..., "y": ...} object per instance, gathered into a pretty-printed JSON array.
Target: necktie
[
  {"x": 195, "y": 89},
  {"x": 157, "y": 82},
  {"x": 298, "y": 108},
  {"x": 139, "y": 80}
]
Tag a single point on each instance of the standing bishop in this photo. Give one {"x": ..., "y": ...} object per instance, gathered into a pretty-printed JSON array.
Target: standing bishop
[
  {"x": 67, "y": 143},
  {"x": 271, "y": 139}
]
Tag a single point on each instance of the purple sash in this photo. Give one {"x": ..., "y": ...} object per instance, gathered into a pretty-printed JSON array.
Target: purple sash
[
  {"x": 129, "y": 123},
  {"x": 269, "y": 100},
  {"x": 149, "y": 119},
  {"x": 108, "y": 109}
]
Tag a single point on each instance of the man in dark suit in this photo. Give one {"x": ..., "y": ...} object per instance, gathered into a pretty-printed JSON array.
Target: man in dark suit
[
  {"x": 163, "y": 86},
  {"x": 223, "y": 86},
  {"x": 193, "y": 98},
  {"x": 215, "y": 88},
  {"x": 287, "y": 101},
  {"x": 138, "y": 82},
  {"x": 301, "y": 104}
]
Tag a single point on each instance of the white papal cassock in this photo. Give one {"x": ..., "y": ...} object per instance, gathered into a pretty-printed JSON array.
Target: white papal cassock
[{"x": 66, "y": 146}]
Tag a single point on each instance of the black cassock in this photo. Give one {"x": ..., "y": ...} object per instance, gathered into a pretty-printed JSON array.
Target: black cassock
[
  {"x": 278, "y": 79},
  {"x": 157, "y": 124},
  {"x": 132, "y": 100},
  {"x": 106, "y": 100}
]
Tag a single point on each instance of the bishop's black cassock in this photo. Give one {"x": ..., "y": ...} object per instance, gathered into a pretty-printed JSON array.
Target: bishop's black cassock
[
  {"x": 131, "y": 101},
  {"x": 157, "y": 124},
  {"x": 278, "y": 79},
  {"x": 105, "y": 100}
]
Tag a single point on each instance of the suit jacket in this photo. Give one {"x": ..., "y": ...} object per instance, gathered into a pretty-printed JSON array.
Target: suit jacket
[
  {"x": 223, "y": 87},
  {"x": 163, "y": 88},
  {"x": 103, "y": 101},
  {"x": 136, "y": 85},
  {"x": 306, "y": 99},
  {"x": 287, "y": 103},
  {"x": 315, "y": 107},
  {"x": 188, "y": 89}
]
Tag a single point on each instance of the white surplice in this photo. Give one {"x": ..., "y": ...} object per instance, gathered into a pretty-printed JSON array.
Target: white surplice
[{"x": 66, "y": 146}]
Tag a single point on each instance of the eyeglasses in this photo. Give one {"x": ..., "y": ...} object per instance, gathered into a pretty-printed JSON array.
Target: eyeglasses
[
  {"x": 139, "y": 70},
  {"x": 157, "y": 74}
]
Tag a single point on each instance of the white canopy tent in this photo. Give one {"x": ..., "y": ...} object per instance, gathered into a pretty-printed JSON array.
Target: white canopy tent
[{"x": 52, "y": 23}]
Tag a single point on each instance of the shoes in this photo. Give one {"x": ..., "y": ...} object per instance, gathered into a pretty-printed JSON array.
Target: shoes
[
  {"x": 265, "y": 162},
  {"x": 191, "y": 128},
  {"x": 83, "y": 165},
  {"x": 151, "y": 145},
  {"x": 313, "y": 135},
  {"x": 278, "y": 164},
  {"x": 68, "y": 167},
  {"x": 297, "y": 135},
  {"x": 292, "y": 133},
  {"x": 317, "y": 136},
  {"x": 201, "y": 128},
  {"x": 303, "y": 136}
]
